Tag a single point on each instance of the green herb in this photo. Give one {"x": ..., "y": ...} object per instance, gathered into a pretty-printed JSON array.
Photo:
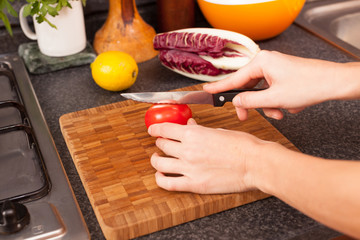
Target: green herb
[
  {"x": 37, "y": 8},
  {"x": 5, "y": 5}
]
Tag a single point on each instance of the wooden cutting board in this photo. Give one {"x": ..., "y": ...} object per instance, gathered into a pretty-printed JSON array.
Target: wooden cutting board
[{"x": 111, "y": 149}]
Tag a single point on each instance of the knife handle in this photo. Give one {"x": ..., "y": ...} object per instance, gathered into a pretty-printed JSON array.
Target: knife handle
[{"x": 221, "y": 98}]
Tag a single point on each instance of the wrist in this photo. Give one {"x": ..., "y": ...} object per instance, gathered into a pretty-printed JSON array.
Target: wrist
[
  {"x": 347, "y": 82},
  {"x": 266, "y": 171},
  {"x": 261, "y": 166}
]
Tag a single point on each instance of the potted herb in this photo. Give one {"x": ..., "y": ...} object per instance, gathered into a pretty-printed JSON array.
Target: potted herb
[{"x": 38, "y": 8}]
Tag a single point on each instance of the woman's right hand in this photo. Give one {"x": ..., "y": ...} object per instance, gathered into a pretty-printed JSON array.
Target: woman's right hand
[{"x": 293, "y": 83}]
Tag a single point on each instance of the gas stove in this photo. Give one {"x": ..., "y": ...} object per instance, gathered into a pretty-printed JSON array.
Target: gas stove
[{"x": 36, "y": 200}]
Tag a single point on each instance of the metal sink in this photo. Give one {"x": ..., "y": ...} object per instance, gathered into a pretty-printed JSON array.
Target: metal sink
[{"x": 336, "y": 21}]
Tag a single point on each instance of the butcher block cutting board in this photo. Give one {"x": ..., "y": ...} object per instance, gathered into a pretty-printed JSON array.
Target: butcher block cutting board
[{"x": 111, "y": 149}]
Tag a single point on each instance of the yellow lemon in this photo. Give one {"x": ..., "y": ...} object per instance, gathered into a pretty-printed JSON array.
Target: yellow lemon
[{"x": 114, "y": 70}]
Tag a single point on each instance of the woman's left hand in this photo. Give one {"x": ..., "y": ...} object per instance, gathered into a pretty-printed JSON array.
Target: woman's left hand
[{"x": 207, "y": 160}]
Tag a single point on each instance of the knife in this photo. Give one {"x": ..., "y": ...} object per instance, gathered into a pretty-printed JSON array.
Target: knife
[{"x": 187, "y": 97}]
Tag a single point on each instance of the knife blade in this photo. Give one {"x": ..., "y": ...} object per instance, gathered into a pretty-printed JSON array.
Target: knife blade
[{"x": 187, "y": 97}]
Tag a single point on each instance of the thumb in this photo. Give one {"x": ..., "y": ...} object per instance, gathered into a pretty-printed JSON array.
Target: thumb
[{"x": 258, "y": 99}]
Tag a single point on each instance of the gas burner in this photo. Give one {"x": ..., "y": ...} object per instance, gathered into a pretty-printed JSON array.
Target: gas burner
[{"x": 36, "y": 200}]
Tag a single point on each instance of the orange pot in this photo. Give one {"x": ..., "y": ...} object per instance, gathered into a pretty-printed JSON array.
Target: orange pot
[{"x": 257, "y": 19}]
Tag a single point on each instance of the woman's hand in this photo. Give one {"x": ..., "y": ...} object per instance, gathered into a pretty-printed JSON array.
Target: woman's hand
[
  {"x": 221, "y": 161},
  {"x": 294, "y": 83},
  {"x": 208, "y": 160}
]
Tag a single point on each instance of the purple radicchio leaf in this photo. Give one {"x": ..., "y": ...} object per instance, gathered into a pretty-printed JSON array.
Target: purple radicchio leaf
[
  {"x": 202, "y": 44},
  {"x": 189, "y": 62}
]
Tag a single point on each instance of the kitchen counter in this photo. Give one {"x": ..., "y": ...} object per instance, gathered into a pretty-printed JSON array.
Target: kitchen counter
[{"x": 329, "y": 130}]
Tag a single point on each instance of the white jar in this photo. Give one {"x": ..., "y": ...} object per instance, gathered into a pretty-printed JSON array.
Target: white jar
[{"x": 68, "y": 38}]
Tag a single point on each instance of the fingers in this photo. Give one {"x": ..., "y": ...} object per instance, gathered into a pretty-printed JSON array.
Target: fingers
[
  {"x": 278, "y": 114},
  {"x": 273, "y": 113},
  {"x": 166, "y": 130},
  {"x": 248, "y": 76},
  {"x": 169, "y": 130},
  {"x": 166, "y": 164},
  {"x": 191, "y": 121},
  {"x": 242, "y": 113},
  {"x": 269, "y": 112},
  {"x": 296, "y": 110},
  {"x": 169, "y": 147},
  {"x": 172, "y": 183},
  {"x": 258, "y": 99}
]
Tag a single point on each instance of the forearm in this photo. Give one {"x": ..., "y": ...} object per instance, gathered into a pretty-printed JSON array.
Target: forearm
[
  {"x": 326, "y": 190},
  {"x": 346, "y": 78}
]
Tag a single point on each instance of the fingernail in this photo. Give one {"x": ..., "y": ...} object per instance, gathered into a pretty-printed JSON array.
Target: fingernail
[
  {"x": 149, "y": 130},
  {"x": 191, "y": 121}
]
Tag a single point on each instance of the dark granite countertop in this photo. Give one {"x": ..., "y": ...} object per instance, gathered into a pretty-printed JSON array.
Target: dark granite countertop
[{"x": 329, "y": 130}]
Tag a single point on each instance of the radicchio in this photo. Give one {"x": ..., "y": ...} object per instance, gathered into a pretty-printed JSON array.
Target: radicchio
[
  {"x": 189, "y": 62},
  {"x": 201, "y": 44},
  {"x": 186, "y": 52}
]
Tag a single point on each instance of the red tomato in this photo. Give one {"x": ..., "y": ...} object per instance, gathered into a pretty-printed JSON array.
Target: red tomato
[{"x": 174, "y": 113}]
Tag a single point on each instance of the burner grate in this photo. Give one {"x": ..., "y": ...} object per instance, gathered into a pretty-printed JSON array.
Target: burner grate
[
  {"x": 23, "y": 173},
  {"x": 8, "y": 117}
]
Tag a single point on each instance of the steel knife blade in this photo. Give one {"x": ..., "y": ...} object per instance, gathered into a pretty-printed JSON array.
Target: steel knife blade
[{"x": 187, "y": 97}]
